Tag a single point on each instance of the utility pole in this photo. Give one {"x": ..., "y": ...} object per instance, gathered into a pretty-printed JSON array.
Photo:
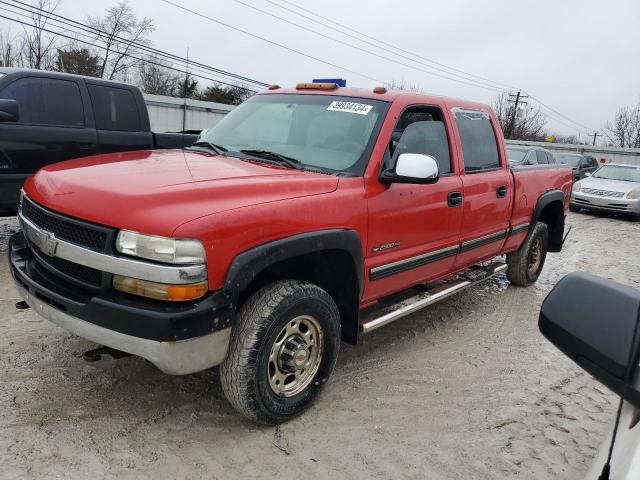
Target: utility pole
[
  {"x": 184, "y": 95},
  {"x": 595, "y": 135},
  {"x": 516, "y": 99}
]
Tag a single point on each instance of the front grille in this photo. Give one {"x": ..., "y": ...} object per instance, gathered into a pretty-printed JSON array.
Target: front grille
[
  {"x": 93, "y": 237},
  {"x": 74, "y": 271},
  {"x": 603, "y": 193}
]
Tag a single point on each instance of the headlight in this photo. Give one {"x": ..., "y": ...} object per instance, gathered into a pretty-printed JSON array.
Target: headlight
[
  {"x": 576, "y": 187},
  {"x": 633, "y": 194},
  {"x": 160, "y": 249}
]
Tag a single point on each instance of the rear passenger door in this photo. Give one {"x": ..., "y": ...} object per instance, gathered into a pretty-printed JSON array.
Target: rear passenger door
[
  {"x": 487, "y": 188},
  {"x": 119, "y": 122}
]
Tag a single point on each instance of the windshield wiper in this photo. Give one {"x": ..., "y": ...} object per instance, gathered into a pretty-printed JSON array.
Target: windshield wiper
[
  {"x": 275, "y": 157},
  {"x": 219, "y": 149}
]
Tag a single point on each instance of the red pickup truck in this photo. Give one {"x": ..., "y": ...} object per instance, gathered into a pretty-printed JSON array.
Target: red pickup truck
[{"x": 306, "y": 216}]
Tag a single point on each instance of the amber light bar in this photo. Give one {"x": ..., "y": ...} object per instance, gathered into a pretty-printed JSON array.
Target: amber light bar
[{"x": 316, "y": 86}]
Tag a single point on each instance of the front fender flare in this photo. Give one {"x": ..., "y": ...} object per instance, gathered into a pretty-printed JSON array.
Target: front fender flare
[{"x": 247, "y": 265}]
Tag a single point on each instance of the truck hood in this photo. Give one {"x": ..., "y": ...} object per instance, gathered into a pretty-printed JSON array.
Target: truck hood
[
  {"x": 610, "y": 185},
  {"x": 156, "y": 191}
]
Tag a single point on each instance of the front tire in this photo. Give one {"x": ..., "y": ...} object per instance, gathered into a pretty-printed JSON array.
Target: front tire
[
  {"x": 525, "y": 264},
  {"x": 283, "y": 349}
]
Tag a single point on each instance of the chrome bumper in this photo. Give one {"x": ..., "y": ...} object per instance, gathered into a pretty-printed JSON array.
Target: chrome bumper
[
  {"x": 610, "y": 204},
  {"x": 126, "y": 266},
  {"x": 173, "y": 357}
]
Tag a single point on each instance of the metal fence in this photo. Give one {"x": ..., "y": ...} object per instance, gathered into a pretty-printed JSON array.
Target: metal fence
[
  {"x": 169, "y": 114},
  {"x": 630, "y": 156}
]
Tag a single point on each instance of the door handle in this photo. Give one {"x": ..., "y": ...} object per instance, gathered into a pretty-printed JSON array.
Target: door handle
[
  {"x": 454, "y": 199},
  {"x": 501, "y": 192}
]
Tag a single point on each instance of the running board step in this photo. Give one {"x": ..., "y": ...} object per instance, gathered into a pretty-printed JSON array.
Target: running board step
[{"x": 384, "y": 313}]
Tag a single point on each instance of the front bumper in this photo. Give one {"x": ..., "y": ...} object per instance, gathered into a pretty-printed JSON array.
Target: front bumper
[
  {"x": 606, "y": 204},
  {"x": 179, "y": 338}
]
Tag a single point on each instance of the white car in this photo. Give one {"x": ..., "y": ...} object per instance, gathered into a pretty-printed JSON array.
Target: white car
[
  {"x": 613, "y": 188},
  {"x": 596, "y": 323}
]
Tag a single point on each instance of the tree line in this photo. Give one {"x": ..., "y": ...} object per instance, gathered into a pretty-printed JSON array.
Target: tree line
[{"x": 34, "y": 46}]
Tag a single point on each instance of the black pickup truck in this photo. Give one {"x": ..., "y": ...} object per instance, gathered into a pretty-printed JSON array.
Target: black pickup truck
[{"x": 48, "y": 117}]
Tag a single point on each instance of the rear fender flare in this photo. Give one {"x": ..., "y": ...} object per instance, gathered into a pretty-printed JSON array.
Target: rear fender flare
[{"x": 556, "y": 235}]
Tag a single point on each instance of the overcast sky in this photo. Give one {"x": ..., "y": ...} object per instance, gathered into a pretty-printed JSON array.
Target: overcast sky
[{"x": 580, "y": 57}]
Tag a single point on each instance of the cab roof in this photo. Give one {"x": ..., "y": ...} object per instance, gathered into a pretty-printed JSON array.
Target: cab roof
[{"x": 388, "y": 96}]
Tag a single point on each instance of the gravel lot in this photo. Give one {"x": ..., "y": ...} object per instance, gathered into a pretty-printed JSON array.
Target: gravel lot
[{"x": 465, "y": 389}]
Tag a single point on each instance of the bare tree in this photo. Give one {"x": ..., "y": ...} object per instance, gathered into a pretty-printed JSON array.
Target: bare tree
[
  {"x": 120, "y": 30},
  {"x": 38, "y": 49},
  {"x": 522, "y": 123},
  {"x": 9, "y": 54},
  {"x": 155, "y": 79},
  {"x": 624, "y": 129},
  {"x": 572, "y": 139},
  {"x": 403, "y": 85}
]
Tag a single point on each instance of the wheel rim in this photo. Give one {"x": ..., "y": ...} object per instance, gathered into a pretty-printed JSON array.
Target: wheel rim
[
  {"x": 295, "y": 356},
  {"x": 535, "y": 257}
]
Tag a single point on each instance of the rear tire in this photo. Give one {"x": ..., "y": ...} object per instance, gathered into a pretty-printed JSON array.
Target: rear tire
[
  {"x": 525, "y": 264},
  {"x": 283, "y": 349}
]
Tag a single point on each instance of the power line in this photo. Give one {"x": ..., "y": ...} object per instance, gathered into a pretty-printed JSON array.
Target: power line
[
  {"x": 405, "y": 51},
  {"x": 61, "y": 19},
  {"x": 92, "y": 41},
  {"x": 280, "y": 45},
  {"x": 473, "y": 83},
  {"x": 380, "y": 42},
  {"x": 562, "y": 115},
  {"x": 145, "y": 60}
]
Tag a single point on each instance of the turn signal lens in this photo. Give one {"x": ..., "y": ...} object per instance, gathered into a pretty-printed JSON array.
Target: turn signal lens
[
  {"x": 633, "y": 194},
  {"x": 576, "y": 187},
  {"x": 160, "y": 291}
]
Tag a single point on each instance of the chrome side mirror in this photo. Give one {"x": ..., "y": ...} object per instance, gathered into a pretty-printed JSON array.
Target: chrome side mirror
[{"x": 412, "y": 168}]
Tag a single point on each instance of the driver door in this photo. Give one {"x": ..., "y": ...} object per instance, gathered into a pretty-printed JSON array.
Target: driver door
[{"x": 414, "y": 228}]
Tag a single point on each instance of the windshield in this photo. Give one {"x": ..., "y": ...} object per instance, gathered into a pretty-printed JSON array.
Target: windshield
[
  {"x": 568, "y": 159},
  {"x": 320, "y": 131},
  {"x": 516, "y": 155},
  {"x": 619, "y": 172}
]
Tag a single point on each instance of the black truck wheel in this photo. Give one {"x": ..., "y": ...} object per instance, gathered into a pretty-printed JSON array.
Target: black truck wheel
[
  {"x": 525, "y": 264},
  {"x": 283, "y": 349}
]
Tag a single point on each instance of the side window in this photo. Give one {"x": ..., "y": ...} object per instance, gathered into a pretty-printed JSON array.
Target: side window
[
  {"x": 593, "y": 163},
  {"x": 114, "y": 109},
  {"x": 479, "y": 145},
  {"x": 551, "y": 158},
  {"x": 47, "y": 101},
  {"x": 532, "y": 158},
  {"x": 542, "y": 157},
  {"x": 421, "y": 130}
]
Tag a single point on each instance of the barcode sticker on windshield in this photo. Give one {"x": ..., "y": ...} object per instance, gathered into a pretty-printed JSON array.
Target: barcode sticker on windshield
[{"x": 350, "y": 107}]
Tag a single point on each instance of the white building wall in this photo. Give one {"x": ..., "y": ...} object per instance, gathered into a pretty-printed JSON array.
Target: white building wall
[{"x": 166, "y": 114}]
